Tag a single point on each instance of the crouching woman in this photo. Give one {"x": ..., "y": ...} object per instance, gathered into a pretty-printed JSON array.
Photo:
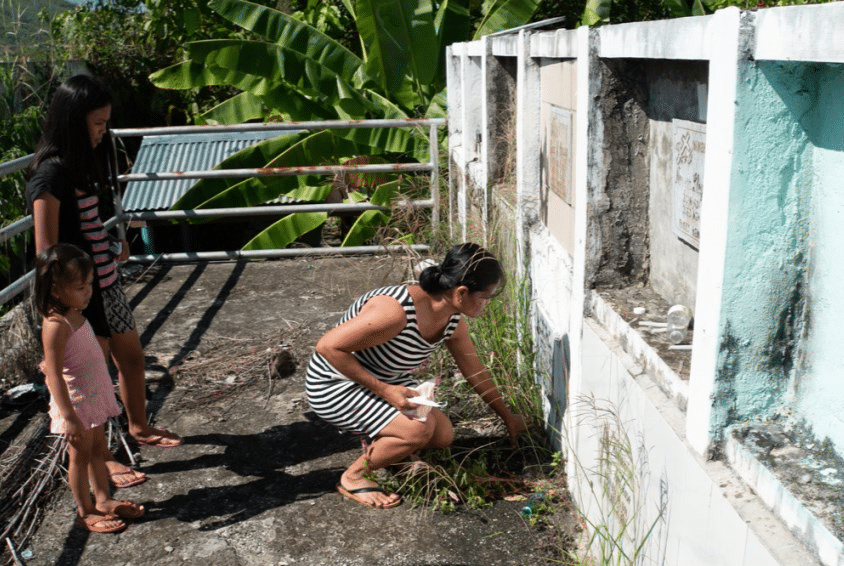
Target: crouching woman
[{"x": 359, "y": 378}]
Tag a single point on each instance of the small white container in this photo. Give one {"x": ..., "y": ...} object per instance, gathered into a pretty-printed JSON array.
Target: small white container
[{"x": 677, "y": 323}]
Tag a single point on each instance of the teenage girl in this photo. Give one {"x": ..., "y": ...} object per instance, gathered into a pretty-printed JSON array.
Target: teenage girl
[
  {"x": 68, "y": 172},
  {"x": 81, "y": 393}
]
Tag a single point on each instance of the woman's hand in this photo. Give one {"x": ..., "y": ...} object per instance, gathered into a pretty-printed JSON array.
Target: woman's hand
[
  {"x": 516, "y": 425},
  {"x": 124, "y": 251},
  {"x": 397, "y": 396}
]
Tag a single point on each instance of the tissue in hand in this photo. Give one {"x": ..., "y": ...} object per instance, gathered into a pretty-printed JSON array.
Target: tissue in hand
[{"x": 425, "y": 400}]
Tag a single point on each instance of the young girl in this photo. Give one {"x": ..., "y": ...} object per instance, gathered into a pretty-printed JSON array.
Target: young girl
[
  {"x": 66, "y": 177},
  {"x": 81, "y": 394}
]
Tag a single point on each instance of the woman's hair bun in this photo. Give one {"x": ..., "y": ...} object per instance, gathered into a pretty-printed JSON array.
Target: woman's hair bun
[{"x": 465, "y": 264}]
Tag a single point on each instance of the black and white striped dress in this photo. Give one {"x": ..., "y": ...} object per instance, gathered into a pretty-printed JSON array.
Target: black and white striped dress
[{"x": 351, "y": 406}]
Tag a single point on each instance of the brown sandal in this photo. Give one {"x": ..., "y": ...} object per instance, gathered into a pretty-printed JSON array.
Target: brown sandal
[
  {"x": 95, "y": 523},
  {"x": 128, "y": 478}
]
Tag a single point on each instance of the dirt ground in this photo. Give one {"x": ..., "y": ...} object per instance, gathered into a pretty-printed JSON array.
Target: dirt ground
[{"x": 226, "y": 348}]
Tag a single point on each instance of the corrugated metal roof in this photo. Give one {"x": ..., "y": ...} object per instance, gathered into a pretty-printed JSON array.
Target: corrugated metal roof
[{"x": 181, "y": 152}]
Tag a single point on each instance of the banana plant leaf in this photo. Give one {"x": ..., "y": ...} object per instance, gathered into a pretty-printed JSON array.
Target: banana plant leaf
[
  {"x": 286, "y": 231},
  {"x": 278, "y": 65},
  {"x": 399, "y": 39},
  {"x": 195, "y": 74},
  {"x": 282, "y": 101},
  {"x": 251, "y": 157},
  {"x": 451, "y": 25},
  {"x": 295, "y": 36},
  {"x": 316, "y": 148},
  {"x": 505, "y": 14},
  {"x": 699, "y": 8},
  {"x": 367, "y": 224},
  {"x": 236, "y": 110},
  {"x": 310, "y": 193},
  {"x": 596, "y": 12}
]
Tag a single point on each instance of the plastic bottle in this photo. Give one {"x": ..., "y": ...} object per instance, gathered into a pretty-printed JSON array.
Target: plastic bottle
[
  {"x": 533, "y": 503},
  {"x": 677, "y": 323}
]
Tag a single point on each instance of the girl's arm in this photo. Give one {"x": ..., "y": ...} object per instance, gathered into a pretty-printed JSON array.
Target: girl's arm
[
  {"x": 45, "y": 214},
  {"x": 469, "y": 363},
  {"x": 54, "y": 335},
  {"x": 379, "y": 320}
]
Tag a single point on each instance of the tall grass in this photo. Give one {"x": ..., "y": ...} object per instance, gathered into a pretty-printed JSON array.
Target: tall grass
[
  {"x": 481, "y": 466},
  {"x": 617, "y": 526}
]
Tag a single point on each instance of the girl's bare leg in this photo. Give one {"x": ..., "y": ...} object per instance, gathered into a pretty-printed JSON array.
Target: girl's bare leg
[
  {"x": 398, "y": 440},
  {"x": 98, "y": 478},
  {"x": 97, "y": 471},
  {"x": 80, "y": 454}
]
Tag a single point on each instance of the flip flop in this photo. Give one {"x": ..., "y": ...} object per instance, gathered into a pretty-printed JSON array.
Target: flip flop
[
  {"x": 134, "y": 477},
  {"x": 353, "y": 495},
  {"x": 95, "y": 523},
  {"x": 160, "y": 441},
  {"x": 128, "y": 510}
]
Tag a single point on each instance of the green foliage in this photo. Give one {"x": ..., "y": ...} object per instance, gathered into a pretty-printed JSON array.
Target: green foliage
[
  {"x": 504, "y": 14},
  {"x": 597, "y": 12},
  {"x": 289, "y": 67},
  {"x": 442, "y": 479},
  {"x": 506, "y": 346},
  {"x": 25, "y": 85},
  {"x": 476, "y": 471},
  {"x": 571, "y": 10},
  {"x": 123, "y": 41}
]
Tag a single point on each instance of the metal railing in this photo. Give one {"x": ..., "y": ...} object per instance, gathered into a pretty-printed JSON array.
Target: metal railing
[{"x": 121, "y": 216}]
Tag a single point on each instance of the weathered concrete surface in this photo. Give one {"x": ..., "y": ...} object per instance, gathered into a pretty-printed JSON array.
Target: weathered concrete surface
[{"x": 254, "y": 483}]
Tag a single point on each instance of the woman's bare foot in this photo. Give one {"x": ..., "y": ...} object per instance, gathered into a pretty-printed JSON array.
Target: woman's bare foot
[{"x": 366, "y": 492}]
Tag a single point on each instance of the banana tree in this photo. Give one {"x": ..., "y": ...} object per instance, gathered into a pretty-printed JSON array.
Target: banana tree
[{"x": 294, "y": 72}]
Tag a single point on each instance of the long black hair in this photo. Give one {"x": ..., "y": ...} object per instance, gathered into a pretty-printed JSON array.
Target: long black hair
[
  {"x": 65, "y": 136},
  {"x": 58, "y": 265},
  {"x": 465, "y": 264}
]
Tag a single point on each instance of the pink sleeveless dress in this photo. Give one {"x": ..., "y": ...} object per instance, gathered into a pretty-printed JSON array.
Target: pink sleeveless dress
[{"x": 88, "y": 382}]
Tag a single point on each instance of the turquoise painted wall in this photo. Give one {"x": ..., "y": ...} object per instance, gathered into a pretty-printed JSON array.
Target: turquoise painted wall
[
  {"x": 819, "y": 387},
  {"x": 764, "y": 289}
]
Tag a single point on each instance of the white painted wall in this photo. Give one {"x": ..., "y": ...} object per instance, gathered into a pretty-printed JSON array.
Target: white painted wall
[{"x": 711, "y": 514}]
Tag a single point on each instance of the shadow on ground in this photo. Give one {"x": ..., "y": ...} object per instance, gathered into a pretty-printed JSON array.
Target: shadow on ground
[{"x": 254, "y": 482}]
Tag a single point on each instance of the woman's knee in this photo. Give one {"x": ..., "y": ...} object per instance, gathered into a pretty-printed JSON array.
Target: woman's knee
[
  {"x": 443, "y": 434},
  {"x": 419, "y": 434}
]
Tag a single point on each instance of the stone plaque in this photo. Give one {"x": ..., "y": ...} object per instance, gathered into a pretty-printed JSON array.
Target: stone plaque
[
  {"x": 559, "y": 144},
  {"x": 688, "y": 150}
]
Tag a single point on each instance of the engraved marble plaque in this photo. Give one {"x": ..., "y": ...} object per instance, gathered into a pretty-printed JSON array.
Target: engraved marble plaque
[
  {"x": 688, "y": 150},
  {"x": 559, "y": 153}
]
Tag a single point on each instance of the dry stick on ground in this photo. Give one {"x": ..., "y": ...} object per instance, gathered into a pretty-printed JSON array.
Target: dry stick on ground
[
  {"x": 17, "y": 557},
  {"x": 30, "y": 489},
  {"x": 227, "y": 368}
]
